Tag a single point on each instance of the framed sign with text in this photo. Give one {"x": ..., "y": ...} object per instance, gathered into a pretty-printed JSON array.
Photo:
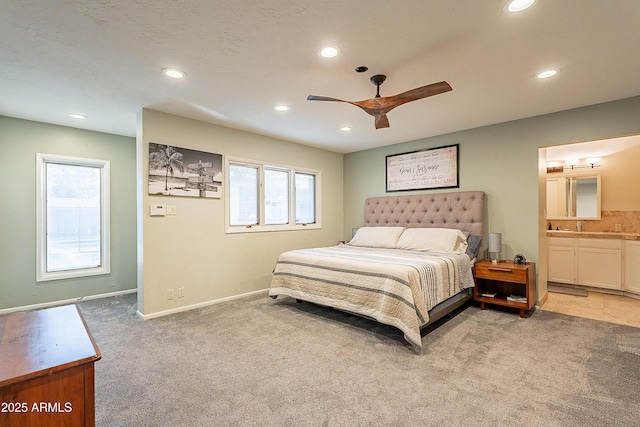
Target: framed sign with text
[{"x": 423, "y": 169}]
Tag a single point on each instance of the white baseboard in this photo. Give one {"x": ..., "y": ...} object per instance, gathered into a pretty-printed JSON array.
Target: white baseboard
[
  {"x": 194, "y": 306},
  {"x": 64, "y": 302}
]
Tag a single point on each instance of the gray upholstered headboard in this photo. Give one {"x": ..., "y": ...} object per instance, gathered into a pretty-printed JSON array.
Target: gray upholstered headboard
[{"x": 462, "y": 210}]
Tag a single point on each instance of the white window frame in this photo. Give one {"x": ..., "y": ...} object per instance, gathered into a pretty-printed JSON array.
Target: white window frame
[
  {"x": 41, "y": 217},
  {"x": 261, "y": 226}
]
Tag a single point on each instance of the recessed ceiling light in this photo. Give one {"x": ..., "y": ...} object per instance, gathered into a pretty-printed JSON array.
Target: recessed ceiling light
[
  {"x": 329, "y": 52},
  {"x": 174, "y": 73},
  {"x": 282, "y": 108},
  {"x": 519, "y": 5},
  {"x": 345, "y": 128},
  {"x": 78, "y": 116},
  {"x": 546, "y": 74}
]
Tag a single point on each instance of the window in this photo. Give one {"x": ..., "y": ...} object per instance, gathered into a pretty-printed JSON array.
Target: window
[
  {"x": 243, "y": 195},
  {"x": 270, "y": 197},
  {"x": 276, "y": 196},
  {"x": 305, "y": 198},
  {"x": 72, "y": 217}
]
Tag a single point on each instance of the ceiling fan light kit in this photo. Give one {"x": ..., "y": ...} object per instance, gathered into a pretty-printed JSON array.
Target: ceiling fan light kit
[{"x": 379, "y": 106}]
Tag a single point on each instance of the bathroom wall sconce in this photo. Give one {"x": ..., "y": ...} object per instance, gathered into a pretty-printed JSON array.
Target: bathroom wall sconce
[
  {"x": 593, "y": 161},
  {"x": 569, "y": 165}
]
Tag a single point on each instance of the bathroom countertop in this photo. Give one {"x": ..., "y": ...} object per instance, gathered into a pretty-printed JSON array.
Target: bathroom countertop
[{"x": 593, "y": 234}]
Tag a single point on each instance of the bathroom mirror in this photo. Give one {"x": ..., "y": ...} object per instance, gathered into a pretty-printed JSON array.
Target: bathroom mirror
[{"x": 573, "y": 196}]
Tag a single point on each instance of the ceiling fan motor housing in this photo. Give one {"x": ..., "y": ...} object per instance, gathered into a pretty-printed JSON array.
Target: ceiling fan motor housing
[{"x": 377, "y": 80}]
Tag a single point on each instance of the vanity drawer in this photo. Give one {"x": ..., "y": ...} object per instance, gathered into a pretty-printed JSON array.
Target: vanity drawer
[
  {"x": 505, "y": 273},
  {"x": 561, "y": 241},
  {"x": 600, "y": 243}
]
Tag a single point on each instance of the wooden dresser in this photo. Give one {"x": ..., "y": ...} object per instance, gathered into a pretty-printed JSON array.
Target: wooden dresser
[{"x": 46, "y": 369}]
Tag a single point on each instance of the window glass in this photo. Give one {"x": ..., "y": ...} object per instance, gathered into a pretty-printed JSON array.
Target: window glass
[
  {"x": 243, "y": 195},
  {"x": 73, "y": 237},
  {"x": 276, "y": 196},
  {"x": 305, "y": 198}
]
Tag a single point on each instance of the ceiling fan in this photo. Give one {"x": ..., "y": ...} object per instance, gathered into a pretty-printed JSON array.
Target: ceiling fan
[{"x": 379, "y": 106}]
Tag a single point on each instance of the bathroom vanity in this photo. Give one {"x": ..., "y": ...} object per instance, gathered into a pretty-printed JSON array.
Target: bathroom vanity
[{"x": 604, "y": 260}]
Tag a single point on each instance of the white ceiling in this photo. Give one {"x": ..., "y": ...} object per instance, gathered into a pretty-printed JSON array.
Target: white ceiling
[
  {"x": 103, "y": 58},
  {"x": 599, "y": 148}
]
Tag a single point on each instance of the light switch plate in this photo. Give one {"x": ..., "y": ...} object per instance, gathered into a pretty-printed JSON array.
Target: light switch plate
[
  {"x": 157, "y": 210},
  {"x": 172, "y": 210}
]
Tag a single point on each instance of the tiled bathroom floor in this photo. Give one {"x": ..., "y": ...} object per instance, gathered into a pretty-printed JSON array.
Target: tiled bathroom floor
[{"x": 609, "y": 308}]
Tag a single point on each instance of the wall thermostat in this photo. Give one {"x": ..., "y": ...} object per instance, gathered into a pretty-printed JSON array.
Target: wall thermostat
[{"x": 157, "y": 210}]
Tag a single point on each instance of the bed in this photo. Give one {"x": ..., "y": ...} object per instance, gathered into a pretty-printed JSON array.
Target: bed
[{"x": 409, "y": 265}]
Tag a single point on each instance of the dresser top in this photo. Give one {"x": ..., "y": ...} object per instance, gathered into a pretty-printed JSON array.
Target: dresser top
[{"x": 41, "y": 342}]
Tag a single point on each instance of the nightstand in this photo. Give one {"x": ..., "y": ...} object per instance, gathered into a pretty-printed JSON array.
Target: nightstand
[{"x": 498, "y": 283}]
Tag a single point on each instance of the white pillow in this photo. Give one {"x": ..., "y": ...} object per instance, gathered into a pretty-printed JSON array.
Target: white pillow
[
  {"x": 447, "y": 240},
  {"x": 376, "y": 237}
]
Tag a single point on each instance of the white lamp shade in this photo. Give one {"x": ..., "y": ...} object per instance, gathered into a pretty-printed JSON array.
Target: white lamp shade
[{"x": 495, "y": 242}]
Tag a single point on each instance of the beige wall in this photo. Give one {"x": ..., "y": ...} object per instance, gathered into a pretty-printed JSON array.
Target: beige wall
[
  {"x": 191, "y": 249},
  {"x": 501, "y": 160},
  {"x": 620, "y": 173}
]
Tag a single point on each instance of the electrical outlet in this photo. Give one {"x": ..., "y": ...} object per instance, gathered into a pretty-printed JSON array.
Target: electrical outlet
[
  {"x": 618, "y": 227},
  {"x": 180, "y": 292},
  {"x": 170, "y": 294}
]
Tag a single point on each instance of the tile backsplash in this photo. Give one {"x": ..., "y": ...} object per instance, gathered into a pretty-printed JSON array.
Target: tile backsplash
[{"x": 629, "y": 222}]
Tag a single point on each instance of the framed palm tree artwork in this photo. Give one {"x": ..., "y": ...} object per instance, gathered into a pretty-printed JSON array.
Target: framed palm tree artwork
[{"x": 177, "y": 171}]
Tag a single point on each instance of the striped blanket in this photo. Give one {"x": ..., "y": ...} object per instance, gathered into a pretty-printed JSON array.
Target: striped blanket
[{"x": 395, "y": 287}]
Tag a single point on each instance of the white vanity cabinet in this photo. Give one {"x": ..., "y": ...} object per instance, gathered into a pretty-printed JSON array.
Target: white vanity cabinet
[
  {"x": 562, "y": 260},
  {"x": 599, "y": 263},
  {"x": 589, "y": 262},
  {"x": 632, "y": 266}
]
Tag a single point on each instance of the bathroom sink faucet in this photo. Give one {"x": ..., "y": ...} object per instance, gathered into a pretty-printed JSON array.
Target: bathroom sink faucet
[{"x": 580, "y": 224}]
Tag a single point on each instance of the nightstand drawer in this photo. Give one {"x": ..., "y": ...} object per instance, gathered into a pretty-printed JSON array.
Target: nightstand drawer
[{"x": 503, "y": 273}]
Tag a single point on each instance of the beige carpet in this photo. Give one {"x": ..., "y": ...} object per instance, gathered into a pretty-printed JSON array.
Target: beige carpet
[{"x": 259, "y": 362}]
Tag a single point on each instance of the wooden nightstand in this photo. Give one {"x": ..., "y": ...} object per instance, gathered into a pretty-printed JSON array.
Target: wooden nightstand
[{"x": 505, "y": 279}]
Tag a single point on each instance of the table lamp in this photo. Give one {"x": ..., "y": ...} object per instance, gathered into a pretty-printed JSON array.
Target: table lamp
[{"x": 495, "y": 246}]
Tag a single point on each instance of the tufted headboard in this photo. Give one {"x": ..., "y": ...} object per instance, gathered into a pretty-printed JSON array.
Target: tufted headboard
[{"x": 462, "y": 210}]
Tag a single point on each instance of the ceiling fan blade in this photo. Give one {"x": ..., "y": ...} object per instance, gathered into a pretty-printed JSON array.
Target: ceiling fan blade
[
  {"x": 415, "y": 94},
  {"x": 383, "y": 105},
  {"x": 382, "y": 121},
  {"x": 323, "y": 98},
  {"x": 370, "y": 106}
]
